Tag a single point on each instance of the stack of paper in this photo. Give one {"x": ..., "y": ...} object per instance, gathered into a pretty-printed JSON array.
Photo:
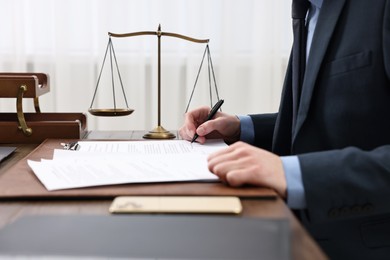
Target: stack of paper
[{"x": 118, "y": 162}]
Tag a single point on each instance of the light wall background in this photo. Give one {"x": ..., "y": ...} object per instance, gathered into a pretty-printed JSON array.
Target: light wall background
[{"x": 250, "y": 41}]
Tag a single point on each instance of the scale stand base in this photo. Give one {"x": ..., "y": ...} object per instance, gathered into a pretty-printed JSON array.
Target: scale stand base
[{"x": 159, "y": 133}]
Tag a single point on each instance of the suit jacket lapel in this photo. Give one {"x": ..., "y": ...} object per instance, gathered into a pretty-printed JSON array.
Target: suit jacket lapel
[{"x": 327, "y": 20}]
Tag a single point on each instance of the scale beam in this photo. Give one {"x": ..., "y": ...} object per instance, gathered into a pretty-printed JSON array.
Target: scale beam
[{"x": 159, "y": 32}]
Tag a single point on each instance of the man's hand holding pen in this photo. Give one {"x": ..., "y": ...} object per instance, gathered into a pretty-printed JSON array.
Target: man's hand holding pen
[
  {"x": 209, "y": 125},
  {"x": 210, "y": 116}
]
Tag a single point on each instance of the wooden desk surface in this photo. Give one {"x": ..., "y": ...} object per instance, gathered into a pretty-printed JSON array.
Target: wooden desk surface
[{"x": 303, "y": 246}]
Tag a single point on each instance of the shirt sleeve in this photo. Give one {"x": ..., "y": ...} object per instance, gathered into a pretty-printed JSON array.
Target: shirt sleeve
[
  {"x": 247, "y": 129},
  {"x": 296, "y": 198}
]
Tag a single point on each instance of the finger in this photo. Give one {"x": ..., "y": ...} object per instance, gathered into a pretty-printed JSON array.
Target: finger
[
  {"x": 217, "y": 156},
  {"x": 235, "y": 178},
  {"x": 197, "y": 116},
  {"x": 190, "y": 133},
  {"x": 192, "y": 120},
  {"x": 200, "y": 139},
  {"x": 229, "y": 173},
  {"x": 209, "y": 126},
  {"x": 186, "y": 133},
  {"x": 235, "y": 151},
  {"x": 240, "y": 177},
  {"x": 224, "y": 163},
  {"x": 183, "y": 133},
  {"x": 222, "y": 169},
  {"x": 226, "y": 169}
]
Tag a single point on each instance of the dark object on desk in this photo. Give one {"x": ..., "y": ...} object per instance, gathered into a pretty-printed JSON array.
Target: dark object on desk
[
  {"x": 146, "y": 237},
  {"x": 5, "y": 152}
]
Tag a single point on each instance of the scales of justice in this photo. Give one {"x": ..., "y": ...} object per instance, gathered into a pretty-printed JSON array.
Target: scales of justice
[{"x": 159, "y": 132}]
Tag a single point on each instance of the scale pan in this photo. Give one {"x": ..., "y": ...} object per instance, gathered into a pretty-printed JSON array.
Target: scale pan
[{"x": 110, "y": 111}]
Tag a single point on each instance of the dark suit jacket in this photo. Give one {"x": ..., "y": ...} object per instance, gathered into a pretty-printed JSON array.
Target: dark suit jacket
[{"x": 342, "y": 135}]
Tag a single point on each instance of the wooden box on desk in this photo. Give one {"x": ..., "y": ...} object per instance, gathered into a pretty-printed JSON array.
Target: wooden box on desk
[
  {"x": 21, "y": 127},
  {"x": 43, "y": 125}
]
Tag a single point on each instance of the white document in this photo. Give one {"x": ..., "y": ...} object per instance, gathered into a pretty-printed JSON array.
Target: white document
[
  {"x": 118, "y": 162},
  {"x": 151, "y": 147}
]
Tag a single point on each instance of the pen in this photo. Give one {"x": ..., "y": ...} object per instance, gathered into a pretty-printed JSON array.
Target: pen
[
  {"x": 212, "y": 113},
  {"x": 74, "y": 146}
]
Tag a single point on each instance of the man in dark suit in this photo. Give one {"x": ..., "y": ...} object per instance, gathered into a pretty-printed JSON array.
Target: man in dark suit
[{"x": 333, "y": 164}]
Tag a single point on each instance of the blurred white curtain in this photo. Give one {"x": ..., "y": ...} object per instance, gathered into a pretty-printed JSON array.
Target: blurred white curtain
[{"x": 249, "y": 42}]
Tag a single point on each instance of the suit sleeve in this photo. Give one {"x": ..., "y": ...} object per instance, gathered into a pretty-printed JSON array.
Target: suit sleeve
[
  {"x": 264, "y": 125},
  {"x": 386, "y": 38},
  {"x": 346, "y": 182}
]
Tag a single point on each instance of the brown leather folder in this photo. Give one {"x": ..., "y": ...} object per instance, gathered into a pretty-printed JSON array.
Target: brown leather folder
[
  {"x": 44, "y": 126},
  {"x": 19, "y": 182}
]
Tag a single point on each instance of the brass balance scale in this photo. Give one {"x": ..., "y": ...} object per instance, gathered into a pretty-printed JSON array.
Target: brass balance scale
[{"x": 159, "y": 132}]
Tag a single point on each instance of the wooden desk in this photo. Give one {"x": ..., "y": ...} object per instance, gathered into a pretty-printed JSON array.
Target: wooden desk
[{"x": 303, "y": 246}]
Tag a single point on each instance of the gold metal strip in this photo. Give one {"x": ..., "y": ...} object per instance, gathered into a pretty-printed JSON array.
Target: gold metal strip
[
  {"x": 19, "y": 109},
  {"x": 36, "y": 105}
]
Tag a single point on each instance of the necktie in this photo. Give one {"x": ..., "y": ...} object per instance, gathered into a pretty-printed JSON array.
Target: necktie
[{"x": 299, "y": 10}]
